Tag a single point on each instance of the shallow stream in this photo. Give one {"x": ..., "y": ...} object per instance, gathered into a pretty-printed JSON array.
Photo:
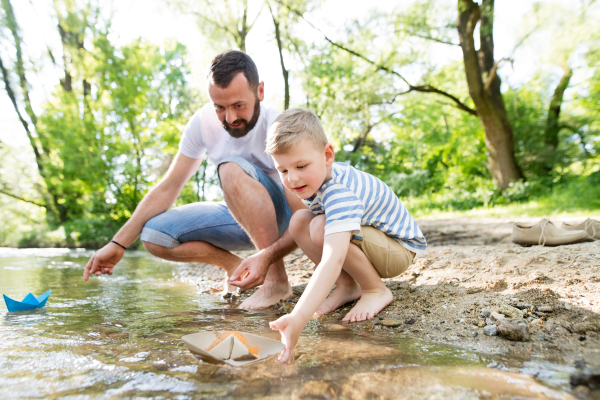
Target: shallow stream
[{"x": 120, "y": 337}]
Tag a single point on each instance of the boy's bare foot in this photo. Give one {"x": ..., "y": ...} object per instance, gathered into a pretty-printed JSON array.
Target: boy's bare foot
[
  {"x": 369, "y": 305},
  {"x": 268, "y": 294},
  {"x": 340, "y": 296}
]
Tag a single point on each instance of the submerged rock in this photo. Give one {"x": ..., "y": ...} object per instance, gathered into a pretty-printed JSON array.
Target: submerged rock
[
  {"x": 588, "y": 377},
  {"x": 514, "y": 329}
]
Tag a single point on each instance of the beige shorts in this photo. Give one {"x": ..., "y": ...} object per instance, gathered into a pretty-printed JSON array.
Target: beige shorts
[{"x": 388, "y": 257}]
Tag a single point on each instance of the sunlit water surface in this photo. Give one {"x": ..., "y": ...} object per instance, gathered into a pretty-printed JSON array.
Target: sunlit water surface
[{"x": 120, "y": 336}]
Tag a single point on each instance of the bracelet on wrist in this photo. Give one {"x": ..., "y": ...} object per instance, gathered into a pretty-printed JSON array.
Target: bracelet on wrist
[{"x": 119, "y": 244}]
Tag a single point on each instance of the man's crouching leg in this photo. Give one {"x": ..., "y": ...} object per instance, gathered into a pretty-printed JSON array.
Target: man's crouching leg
[
  {"x": 252, "y": 206},
  {"x": 201, "y": 252}
]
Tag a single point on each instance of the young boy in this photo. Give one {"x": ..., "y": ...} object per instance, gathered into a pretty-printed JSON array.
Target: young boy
[{"x": 356, "y": 230}]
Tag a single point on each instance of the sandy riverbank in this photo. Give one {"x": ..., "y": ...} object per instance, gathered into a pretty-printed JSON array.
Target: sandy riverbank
[{"x": 471, "y": 265}]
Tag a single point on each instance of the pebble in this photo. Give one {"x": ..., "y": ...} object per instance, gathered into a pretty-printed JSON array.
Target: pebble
[
  {"x": 568, "y": 307},
  {"x": 475, "y": 334},
  {"x": 496, "y": 316},
  {"x": 490, "y": 330},
  {"x": 510, "y": 312},
  {"x": 489, "y": 321},
  {"x": 537, "y": 322},
  {"x": 485, "y": 313},
  {"x": 546, "y": 309},
  {"x": 514, "y": 329},
  {"x": 391, "y": 322}
]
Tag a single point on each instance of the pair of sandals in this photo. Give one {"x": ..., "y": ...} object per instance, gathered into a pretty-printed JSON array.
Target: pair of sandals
[{"x": 545, "y": 233}]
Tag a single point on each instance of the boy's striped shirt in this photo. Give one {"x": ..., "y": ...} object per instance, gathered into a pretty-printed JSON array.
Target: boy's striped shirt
[{"x": 352, "y": 198}]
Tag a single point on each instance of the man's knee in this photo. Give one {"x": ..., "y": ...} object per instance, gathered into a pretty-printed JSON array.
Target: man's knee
[
  {"x": 317, "y": 230},
  {"x": 229, "y": 172},
  {"x": 300, "y": 223},
  {"x": 156, "y": 250}
]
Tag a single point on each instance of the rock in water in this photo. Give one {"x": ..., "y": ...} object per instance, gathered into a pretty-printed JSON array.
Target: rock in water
[
  {"x": 490, "y": 330},
  {"x": 514, "y": 329},
  {"x": 510, "y": 312},
  {"x": 391, "y": 322}
]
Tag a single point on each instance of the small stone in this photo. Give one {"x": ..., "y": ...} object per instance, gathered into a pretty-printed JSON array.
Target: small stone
[
  {"x": 489, "y": 321},
  {"x": 496, "y": 316},
  {"x": 546, "y": 309},
  {"x": 568, "y": 307},
  {"x": 514, "y": 329},
  {"x": 510, "y": 312},
  {"x": 485, "y": 313},
  {"x": 410, "y": 321},
  {"x": 515, "y": 299},
  {"x": 391, "y": 322},
  {"x": 490, "y": 330},
  {"x": 538, "y": 323},
  {"x": 462, "y": 320},
  {"x": 584, "y": 327},
  {"x": 445, "y": 307},
  {"x": 481, "y": 324},
  {"x": 475, "y": 334}
]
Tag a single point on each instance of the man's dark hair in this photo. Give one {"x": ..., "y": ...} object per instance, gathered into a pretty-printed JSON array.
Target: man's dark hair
[{"x": 225, "y": 66}]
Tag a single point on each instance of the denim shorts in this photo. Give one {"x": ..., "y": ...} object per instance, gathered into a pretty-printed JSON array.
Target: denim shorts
[{"x": 212, "y": 222}]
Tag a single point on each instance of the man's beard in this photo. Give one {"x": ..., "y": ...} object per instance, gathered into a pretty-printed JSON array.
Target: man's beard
[{"x": 248, "y": 125}]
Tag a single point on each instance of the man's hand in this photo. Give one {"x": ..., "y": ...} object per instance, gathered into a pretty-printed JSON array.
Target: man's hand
[
  {"x": 251, "y": 272},
  {"x": 103, "y": 261},
  {"x": 290, "y": 326}
]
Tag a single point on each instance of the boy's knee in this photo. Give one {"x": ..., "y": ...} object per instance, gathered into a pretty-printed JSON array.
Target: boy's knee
[
  {"x": 299, "y": 222},
  {"x": 317, "y": 230}
]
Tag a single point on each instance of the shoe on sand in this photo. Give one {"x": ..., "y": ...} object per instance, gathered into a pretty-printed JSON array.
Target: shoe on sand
[
  {"x": 545, "y": 233},
  {"x": 590, "y": 226}
]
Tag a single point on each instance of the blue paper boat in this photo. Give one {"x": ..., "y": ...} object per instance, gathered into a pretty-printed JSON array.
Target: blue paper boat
[{"x": 30, "y": 302}]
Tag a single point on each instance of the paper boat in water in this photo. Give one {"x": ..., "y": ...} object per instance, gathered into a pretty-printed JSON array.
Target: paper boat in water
[
  {"x": 233, "y": 348},
  {"x": 30, "y": 302}
]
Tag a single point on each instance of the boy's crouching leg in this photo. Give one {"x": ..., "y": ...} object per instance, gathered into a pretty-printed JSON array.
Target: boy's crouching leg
[{"x": 300, "y": 229}]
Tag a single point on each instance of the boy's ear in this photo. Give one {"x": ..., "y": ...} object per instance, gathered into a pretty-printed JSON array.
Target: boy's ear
[{"x": 329, "y": 155}]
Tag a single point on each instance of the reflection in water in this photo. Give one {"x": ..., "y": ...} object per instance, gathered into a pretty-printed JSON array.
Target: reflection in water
[{"x": 121, "y": 336}]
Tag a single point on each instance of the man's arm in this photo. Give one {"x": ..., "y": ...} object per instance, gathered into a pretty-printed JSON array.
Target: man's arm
[
  {"x": 157, "y": 201},
  {"x": 290, "y": 326},
  {"x": 258, "y": 264}
]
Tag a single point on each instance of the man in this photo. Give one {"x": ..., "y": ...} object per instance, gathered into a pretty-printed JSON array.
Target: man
[{"x": 256, "y": 212}]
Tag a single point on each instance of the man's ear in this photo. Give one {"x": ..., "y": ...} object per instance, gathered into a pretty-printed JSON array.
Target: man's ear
[
  {"x": 260, "y": 91},
  {"x": 329, "y": 155}
]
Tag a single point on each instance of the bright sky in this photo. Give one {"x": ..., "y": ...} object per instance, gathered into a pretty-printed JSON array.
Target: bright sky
[{"x": 152, "y": 20}]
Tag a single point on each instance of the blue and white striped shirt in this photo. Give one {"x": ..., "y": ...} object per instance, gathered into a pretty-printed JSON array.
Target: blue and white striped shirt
[{"x": 352, "y": 198}]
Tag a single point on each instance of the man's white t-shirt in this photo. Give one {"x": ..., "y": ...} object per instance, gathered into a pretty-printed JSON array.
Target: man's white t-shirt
[{"x": 205, "y": 133}]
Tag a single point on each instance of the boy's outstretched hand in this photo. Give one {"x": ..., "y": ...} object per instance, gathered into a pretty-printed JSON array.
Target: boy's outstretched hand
[{"x": 290, "y": 328}]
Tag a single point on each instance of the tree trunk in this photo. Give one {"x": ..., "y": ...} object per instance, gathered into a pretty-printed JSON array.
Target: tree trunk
[
  {"x": 284, "y": 71},
  {"x": 488, "y": 100},
  {"x": 552, "y": 127}
]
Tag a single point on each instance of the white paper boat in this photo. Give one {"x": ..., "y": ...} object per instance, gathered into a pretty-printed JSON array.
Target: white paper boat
[{"x": 231, "y": 350}]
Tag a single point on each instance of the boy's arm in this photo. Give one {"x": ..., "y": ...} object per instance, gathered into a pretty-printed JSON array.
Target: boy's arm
[{"x": 290, "y": 326}]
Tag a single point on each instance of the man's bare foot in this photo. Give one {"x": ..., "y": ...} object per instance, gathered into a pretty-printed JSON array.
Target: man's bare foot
[
  {"x": 369, "y": 305},
  {"x": 340, "y": 296},
  {"x": 268, "y": 294}
]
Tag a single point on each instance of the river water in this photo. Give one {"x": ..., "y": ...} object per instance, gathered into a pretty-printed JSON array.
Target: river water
[{"x": 120, "y": 337}]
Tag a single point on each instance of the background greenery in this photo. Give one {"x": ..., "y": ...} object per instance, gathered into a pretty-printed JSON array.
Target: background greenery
[{"x": 391, "y": 102}]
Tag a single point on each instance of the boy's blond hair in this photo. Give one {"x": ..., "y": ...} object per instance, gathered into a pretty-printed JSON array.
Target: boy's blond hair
[{"x": 293, "y": 125}]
